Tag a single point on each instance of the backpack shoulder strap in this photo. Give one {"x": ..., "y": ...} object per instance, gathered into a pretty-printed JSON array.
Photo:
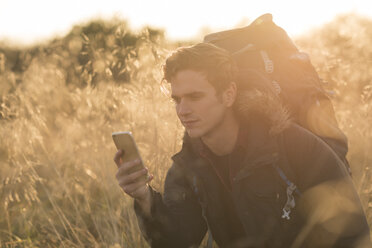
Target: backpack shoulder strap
[
  {"x": 286, "y": 180},
  {"x": 292, "y": 189}
]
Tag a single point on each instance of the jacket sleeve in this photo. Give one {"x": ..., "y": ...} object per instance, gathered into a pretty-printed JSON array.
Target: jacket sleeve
[
  {"x": 329, "y": 204},
  {"x": 176, "y": 217}
]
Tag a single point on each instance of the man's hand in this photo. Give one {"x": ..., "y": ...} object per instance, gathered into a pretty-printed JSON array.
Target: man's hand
[{"x": 131, "y": 182}]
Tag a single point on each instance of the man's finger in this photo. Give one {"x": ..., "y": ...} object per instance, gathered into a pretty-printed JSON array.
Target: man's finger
[
  {"x": 134, "y": 188},
  {"x": 149, "y": 178},
  {"x": 124, "y": 168},
  {"x": 118, "y": 157},
  {"x": 127, "y": 179}
]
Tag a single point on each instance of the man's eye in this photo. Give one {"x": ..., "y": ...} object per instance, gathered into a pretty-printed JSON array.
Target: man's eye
[
  {"x": 175, "y": 100},
  {"x": 195, "y": 97}
]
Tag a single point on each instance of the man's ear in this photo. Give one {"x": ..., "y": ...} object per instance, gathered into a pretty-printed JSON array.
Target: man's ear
[{"x": 229, "y": 95}]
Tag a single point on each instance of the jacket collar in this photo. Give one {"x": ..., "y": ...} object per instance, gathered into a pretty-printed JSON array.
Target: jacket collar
[{"x": 259, "y": 145}]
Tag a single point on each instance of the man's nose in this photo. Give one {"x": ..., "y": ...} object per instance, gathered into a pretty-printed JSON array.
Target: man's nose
[{"x": 183, "y": 108}]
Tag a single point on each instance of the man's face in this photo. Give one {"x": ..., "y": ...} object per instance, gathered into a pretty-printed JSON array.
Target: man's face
[{"x": 197, "y": 106}]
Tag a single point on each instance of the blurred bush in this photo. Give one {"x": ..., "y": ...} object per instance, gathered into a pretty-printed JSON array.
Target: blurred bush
[{"x": 97, "y": 51}]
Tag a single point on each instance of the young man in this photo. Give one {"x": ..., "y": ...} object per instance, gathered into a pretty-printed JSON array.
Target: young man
[{"x": 245, "y": 172}]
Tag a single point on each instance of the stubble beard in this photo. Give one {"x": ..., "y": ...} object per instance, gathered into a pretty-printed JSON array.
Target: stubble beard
[{"x": 215, "y": 128}]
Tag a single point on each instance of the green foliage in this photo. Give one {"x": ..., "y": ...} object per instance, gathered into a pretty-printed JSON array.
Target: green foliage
[{"x": 89, "y": 54}]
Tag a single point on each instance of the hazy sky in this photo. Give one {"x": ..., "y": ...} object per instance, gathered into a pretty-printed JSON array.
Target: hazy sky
[{"x": 32, "y": 20}]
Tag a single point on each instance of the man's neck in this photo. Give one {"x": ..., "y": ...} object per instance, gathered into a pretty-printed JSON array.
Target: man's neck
[{"x": 223, "y": 139}]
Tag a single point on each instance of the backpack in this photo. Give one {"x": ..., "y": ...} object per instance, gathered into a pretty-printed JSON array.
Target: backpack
[{"x": 265, "y": 47}]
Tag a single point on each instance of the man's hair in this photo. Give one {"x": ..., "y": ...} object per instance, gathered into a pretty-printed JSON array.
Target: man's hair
[{"x": 216, "y": 63}]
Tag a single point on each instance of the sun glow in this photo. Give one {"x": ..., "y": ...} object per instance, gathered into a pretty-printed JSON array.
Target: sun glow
[{"x": 29, "y": 21}]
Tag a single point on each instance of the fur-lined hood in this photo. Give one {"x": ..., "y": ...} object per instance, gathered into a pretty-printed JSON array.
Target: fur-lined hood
[{"x": 259, "y": 96}]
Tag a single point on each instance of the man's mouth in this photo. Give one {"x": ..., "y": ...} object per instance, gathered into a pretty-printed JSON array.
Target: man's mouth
[{"x": 189, "y": 123}]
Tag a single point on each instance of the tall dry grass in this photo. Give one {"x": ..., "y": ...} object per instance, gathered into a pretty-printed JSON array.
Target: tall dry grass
[
  {"x": 60, "y": 102},
  {"x": 58, "y": 186}
]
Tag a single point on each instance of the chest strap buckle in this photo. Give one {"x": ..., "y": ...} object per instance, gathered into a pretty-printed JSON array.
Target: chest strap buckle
[{"x": 290, "y": 204}]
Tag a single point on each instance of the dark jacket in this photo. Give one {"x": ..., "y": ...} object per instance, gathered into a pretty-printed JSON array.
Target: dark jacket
[{"x": 327, "y": 211}]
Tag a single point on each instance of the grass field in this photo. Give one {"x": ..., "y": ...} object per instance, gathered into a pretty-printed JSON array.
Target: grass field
[{"x": 61, "y": 100}]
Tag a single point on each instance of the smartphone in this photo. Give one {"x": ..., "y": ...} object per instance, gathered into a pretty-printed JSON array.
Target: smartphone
[{"x": 125, "y": 142}]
